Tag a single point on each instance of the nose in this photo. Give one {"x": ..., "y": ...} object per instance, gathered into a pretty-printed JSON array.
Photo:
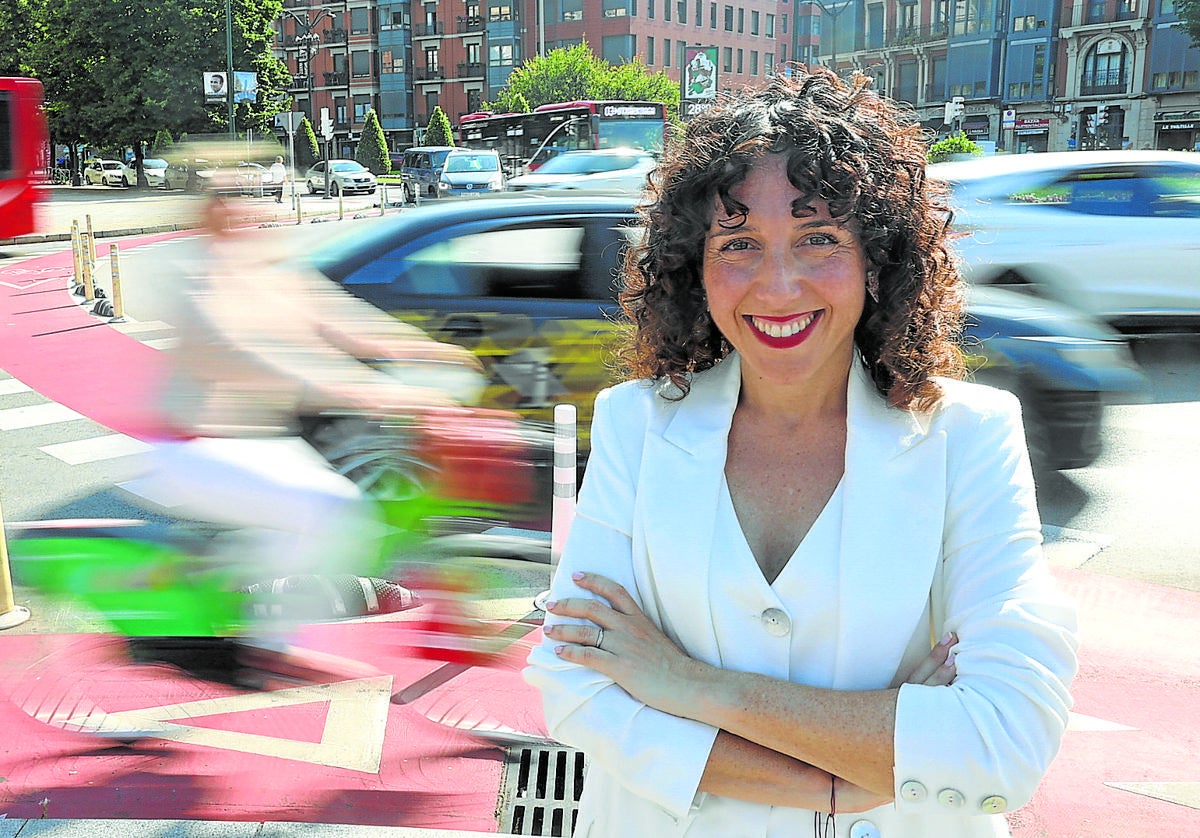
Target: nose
[{"x": 777, "y": 276}]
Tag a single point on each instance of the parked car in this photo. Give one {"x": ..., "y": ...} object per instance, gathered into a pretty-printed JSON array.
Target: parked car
[
  {"x": 345, "y": 176},
  {"x": 251, "y": 178},
  {"x": 470, "y": 172},
  {"x": 528, "y": 284},
  {"x": 154, "y": 168},
  {"x": 104, "y": 172},
  {"x": 573, "y": 165},
  {"x": 195, "y": 174},
  {"x": 1115, "y": 234},
  {"x": 420, "y": 170}
]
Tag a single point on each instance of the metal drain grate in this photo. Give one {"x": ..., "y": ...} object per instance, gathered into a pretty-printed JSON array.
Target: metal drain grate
[{"x": 540, "y": 793}]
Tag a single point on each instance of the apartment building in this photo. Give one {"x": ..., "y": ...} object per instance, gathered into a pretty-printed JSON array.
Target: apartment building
[{"x": 1034, "y": 75}]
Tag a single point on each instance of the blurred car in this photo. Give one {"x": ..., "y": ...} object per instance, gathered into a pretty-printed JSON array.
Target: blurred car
[
  {"x": 104, "y": 172},
  {"x": 420, "y": 169},
  {"x": 345, "y": 176},
  {"x": 573, "y": 165},
  {"x": 470, "y": 172},
  {"x": 529, "y": 285},
  {"x": 1115, "y": 234},
  {"x": 250, "y": 178},
  {"x": 154, "y": 168},
  {"x": 194, "y": 174}
]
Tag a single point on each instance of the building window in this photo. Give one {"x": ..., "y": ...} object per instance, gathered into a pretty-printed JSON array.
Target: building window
[
  {"x": 500, "y": 55},
  {"x": 667, "y": 9},
  {"x": 769, "y": 63},
  {"x": 680, "y": 47},
  {"x": 729, "y": 18},
  {"x": 681, "y": 11},
  {"x": 783, "y": 21},
  {"x": 1166, "y": 7},
  {"x": 360, "y": 63},
  {"x": 754, "y": 62},
  {"x": 650, "y": 50},
  {"x": 753, "y": 23},
  {"x": 712, "y": 15},
  {"x": 500, "y": 11},
  {"x": 699, "y": 15},
  {"x": 395, "y": 18},
  {"x": 474, "y": 53},
  {"x": 572, "y": 9},
  {"x": 618, "y": 49},
  {"x": 972, "y": 16},
  {"x": 474, "y": 101},
  {"x": 360, "y": 22},
  {"x": 741, "y": 20},
  {"x": 740, "y": 64},
  {"x": 771, "y": 25},
  {"x": 616, "y": 8},
  {"x": 666, "y": 52},
  {"x": 650, "y": 9},
  {"x": 362, "y": 104},
  {"x": 339, "y": 110},
  {"x": 727, "y": 59}
]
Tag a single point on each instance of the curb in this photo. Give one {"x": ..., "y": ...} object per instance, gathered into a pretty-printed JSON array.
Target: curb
[
  {"x": 41, "y": 238},
  {"x": 10, "y": 828}
]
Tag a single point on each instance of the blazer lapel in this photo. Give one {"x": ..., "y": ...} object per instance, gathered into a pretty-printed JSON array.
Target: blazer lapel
[
  {"x": 680, "y": 481},
  {"x": 894, "y": 492}
]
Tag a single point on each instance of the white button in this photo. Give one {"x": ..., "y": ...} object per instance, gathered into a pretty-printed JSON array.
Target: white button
[
  {"x": 993, "y": 805},
  {"x": 913, "y": 792},
  {"x": 776, "y": 622},
  {"x": 864, "y": 829},
  {"x": 951, "y": 798}
]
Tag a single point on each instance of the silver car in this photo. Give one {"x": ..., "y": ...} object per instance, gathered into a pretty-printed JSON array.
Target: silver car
[
  {"x": 345, "y": 176},
  {"x": 1114, "y": 234},
  {"x": 471, "y": 172}
]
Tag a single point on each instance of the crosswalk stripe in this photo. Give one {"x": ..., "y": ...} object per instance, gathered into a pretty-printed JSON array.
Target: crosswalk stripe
[
  {"x": 15, "y": 418},
  {"x": 12, "y": 386},
  {"x": 95, "y": 449}
]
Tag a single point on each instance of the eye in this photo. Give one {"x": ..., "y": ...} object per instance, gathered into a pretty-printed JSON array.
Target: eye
[
  {"x": 821, "y": 239},
  {"x": 735, "y": 245}
]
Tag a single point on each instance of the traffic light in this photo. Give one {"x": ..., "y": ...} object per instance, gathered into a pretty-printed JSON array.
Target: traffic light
[
  {"x": 326, "y": 125},
  {"x": 954, "y": 110},
  {"x": 1102, "y": 115},
  {"x": 1092, "y": 122}
]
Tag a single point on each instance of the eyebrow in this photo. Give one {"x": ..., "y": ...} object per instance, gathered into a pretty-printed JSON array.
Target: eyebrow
[{"x": 809, "y": 224}]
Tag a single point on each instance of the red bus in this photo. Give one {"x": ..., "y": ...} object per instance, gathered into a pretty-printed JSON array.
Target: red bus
[
  {"x": 24, "y": 143},
  {"x": 530, "y": 139}
]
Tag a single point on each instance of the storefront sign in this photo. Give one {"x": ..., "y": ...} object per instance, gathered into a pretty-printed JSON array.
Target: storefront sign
[{"x": 1177, "y": 126}]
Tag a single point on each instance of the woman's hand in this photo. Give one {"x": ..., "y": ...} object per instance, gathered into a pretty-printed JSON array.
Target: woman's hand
[
  {"x": 625, "y": 645},
  {"x": 937, "y": 670}
]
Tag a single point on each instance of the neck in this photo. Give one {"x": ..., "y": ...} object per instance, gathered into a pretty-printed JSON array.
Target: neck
[{"x": 819, "y": 398}]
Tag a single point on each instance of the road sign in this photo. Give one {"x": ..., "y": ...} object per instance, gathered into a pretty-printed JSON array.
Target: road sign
[
  {"x": 1010, "y": 118},
  {"x": 288, "y": 121}
]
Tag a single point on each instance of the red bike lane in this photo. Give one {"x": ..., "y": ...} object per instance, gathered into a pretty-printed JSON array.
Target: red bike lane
[{"x": 1128, "y": 766}]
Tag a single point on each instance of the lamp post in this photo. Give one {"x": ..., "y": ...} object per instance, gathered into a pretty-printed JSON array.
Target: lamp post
[
  {"x": 310, "y": 42},
  {"x": 833, "y": 10}
]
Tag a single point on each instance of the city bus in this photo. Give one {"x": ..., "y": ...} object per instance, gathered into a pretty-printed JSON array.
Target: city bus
[
  {"x": 527, "y": 140},
  {"x": 24, "y": 147}
]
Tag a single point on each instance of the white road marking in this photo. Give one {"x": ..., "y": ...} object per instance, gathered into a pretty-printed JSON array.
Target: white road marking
[
  {"x": 1183, "y": 793},
  {"x": 1091, "y": 724},
  {"x": 12, "y": 386},
  {"x": 94, "y": 450},
  {"x": 14, "y": 418},
  {"x": 355, "y": 723},
  {"x": 1070, "y": 548}
]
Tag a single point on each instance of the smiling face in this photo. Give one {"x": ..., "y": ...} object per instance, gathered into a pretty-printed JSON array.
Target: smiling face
[{"x": 785, "y": 285}]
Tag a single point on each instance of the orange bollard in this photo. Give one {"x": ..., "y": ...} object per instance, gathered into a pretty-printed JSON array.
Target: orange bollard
[{"x": 11, "y": 614}]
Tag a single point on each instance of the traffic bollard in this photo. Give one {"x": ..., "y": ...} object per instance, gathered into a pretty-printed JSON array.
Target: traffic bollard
[
  {"x": 91, "y": 240},
  {"x": 341, "y": 206},
  {"x": 118, "y": 301},
  {"x": 89, "y": 290},
  {"x": 76, "y": 260},
  {"x": 11, "y": 614},
  {"x": 562, "y": 513},
  {"x": 382, "y": 199}
]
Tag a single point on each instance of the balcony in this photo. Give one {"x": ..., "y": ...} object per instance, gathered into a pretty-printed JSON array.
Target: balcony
[
  {"x": 430, "y": 73},
  {"x": 469, "y": 24},
  {"x": 916, "y": 35},
  {"x": 335, "y": 36},
  {"x": 336, "y": 79},
  {"x": 428, "y": 30},
  {"x": 299, "y": 82},
  {"x": 1104, "y": 83},
  {"x": 470, "y": 69}
]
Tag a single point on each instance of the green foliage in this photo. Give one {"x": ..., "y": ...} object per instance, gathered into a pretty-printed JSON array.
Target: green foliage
[
  {"x": 953, "y": 146},
  {"x": 372, "y": 147},
  {"x": 438, "y": 132},
  {"x": 307, "y": 150},
  {"x": 571, "y": 73},
  {"x": 118, "y": 71},
  {"x": 15, "y": 26},
  {"x": 1189, "y": 17},
  {"x": 163, "y": 143}
]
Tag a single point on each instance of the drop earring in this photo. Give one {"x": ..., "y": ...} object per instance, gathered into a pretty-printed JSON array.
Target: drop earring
[{"x": 873, "y": 285}]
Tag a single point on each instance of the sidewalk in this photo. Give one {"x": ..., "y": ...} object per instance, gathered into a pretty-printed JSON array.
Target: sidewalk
[{"x": 130, "y": 212}]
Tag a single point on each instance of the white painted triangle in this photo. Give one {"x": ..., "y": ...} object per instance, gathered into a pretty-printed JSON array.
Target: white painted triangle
[
  {"x": 352, "y": 737},
  {"x": 1183, "y": 793},
  {"x": 1080, "y": 722}
]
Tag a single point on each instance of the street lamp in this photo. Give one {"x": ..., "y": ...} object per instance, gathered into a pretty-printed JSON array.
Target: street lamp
[
  {"x": 309, "y": 42},
  {"x": 833, "y": 10}
]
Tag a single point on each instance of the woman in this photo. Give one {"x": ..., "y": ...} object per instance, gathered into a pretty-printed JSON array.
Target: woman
[{"x": 793, "y": 498}]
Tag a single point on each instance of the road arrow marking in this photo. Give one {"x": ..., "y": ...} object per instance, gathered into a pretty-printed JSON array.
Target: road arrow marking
[
  {"x": 352, "y": 737},
  {"x": 1081, "y": 723}
]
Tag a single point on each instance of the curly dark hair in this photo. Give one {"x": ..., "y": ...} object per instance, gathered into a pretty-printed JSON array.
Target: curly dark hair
[{"x": 845, "y": 145}]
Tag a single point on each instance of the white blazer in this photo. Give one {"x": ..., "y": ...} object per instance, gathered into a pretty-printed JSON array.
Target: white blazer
[{"x": 953, "y": 485}]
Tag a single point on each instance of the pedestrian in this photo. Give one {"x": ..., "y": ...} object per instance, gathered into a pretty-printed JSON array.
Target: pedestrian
[
  {"x": 278, "y": 178},
  {"x": 793, "y": 497}
]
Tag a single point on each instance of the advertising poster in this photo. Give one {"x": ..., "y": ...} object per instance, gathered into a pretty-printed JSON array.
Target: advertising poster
[
  {"x": 216, "y": 87},
  {"x": 245, "y": 87}
]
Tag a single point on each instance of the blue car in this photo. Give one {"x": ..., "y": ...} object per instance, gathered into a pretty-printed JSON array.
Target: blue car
[{"x": 529, "y": 285}]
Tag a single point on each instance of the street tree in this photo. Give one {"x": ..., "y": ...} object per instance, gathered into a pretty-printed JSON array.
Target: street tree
[
  {"x": 372, "y": 147},
  {"x": 438, "y": 132},
  {"x": 116, "y": 71},
  {"x": 1189, "y": 17},
  {"x": 307, "y": 150},
  {"x": 572, "y": 73},
  {"x": 16, "y": 24}
]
